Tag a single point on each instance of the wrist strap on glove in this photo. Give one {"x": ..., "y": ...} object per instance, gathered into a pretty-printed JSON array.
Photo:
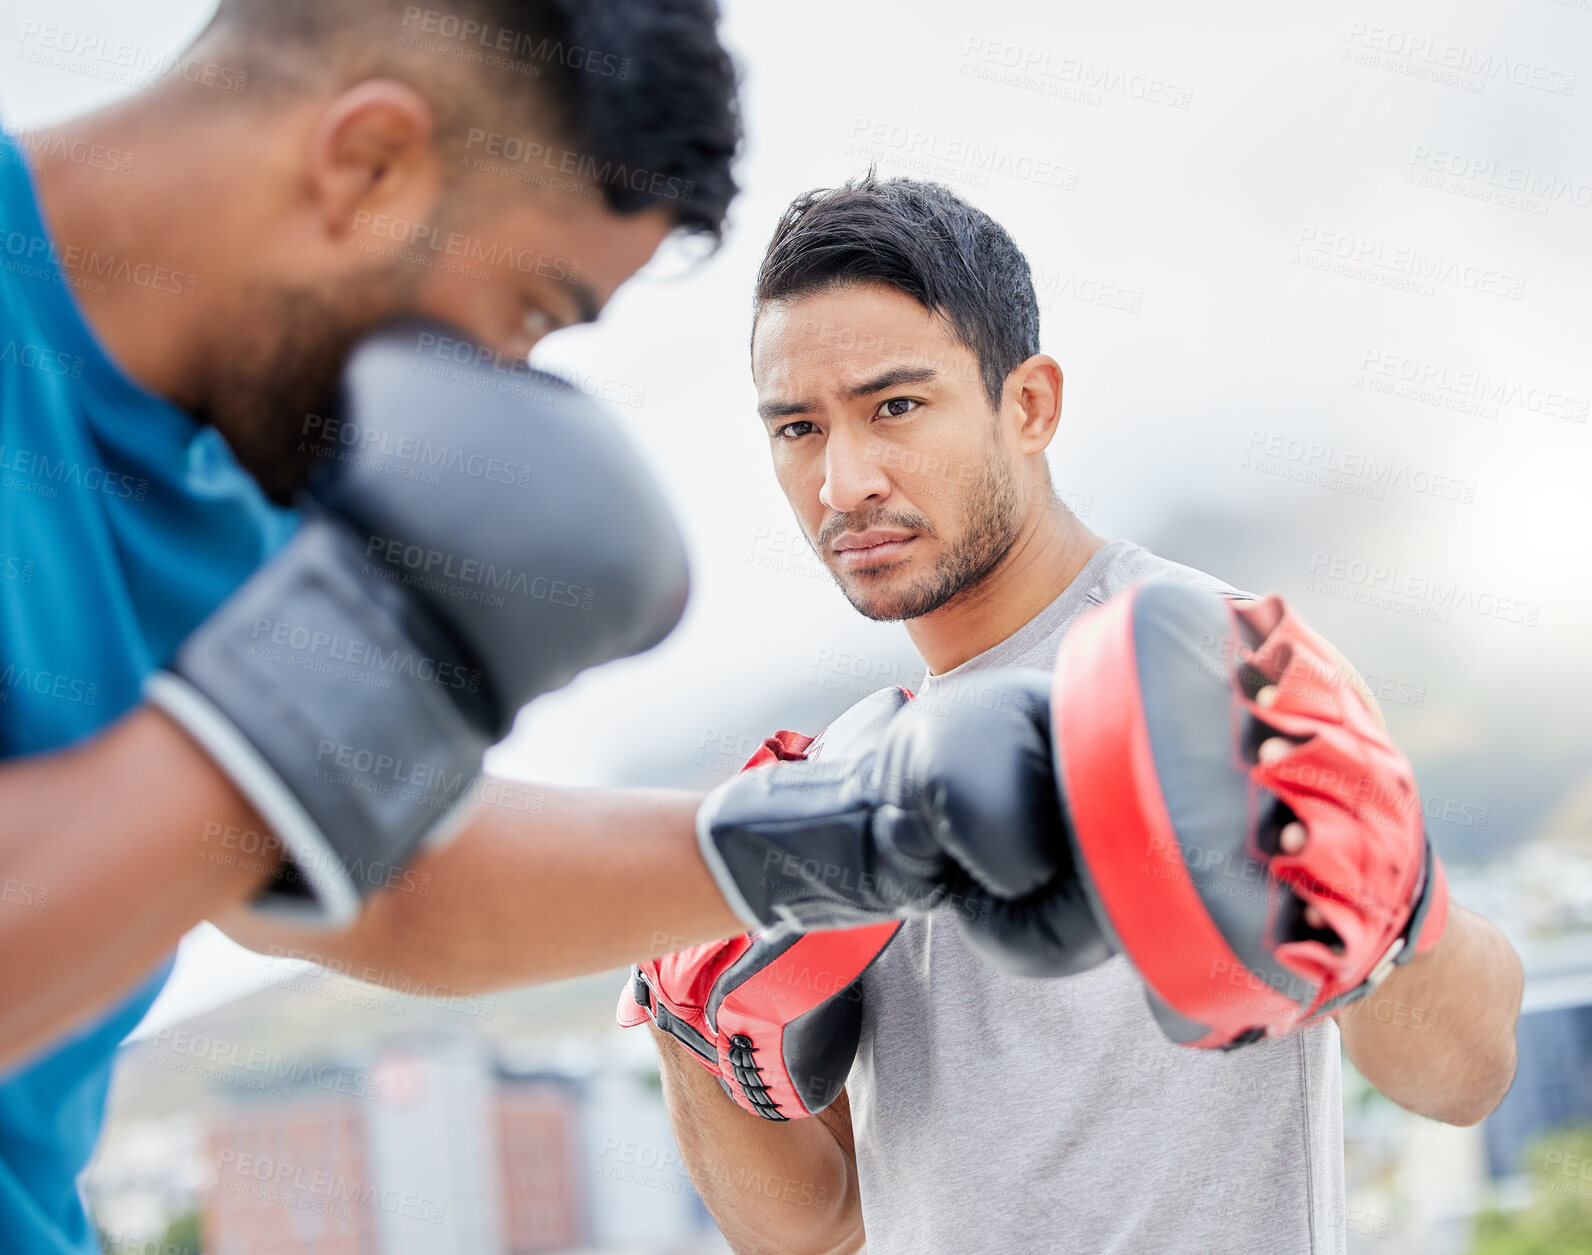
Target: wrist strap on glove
[
  {"x": 776, "y": 1016},
  {"x": 353, "y": 764}
]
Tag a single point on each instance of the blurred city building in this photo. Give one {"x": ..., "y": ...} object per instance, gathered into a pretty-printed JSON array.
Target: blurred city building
[
  {"x": 455, "y": 1154},
  {"x": 441, "y": 1139},
  {"x": 1415, "y": 1186}
]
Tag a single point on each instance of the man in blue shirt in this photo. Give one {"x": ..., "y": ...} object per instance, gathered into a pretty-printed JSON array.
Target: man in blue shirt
[
  {"x": 124, "y": 522},
  {"x": 159, "y": 315},
  {"x": 227, "y": 684}
]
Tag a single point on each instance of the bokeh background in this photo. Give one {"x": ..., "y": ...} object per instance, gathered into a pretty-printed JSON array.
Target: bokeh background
[{"x": 1319, "y": 281}]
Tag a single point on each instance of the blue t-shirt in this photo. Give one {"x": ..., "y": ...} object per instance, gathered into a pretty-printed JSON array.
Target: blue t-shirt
[{"x": 123, "y": 524}]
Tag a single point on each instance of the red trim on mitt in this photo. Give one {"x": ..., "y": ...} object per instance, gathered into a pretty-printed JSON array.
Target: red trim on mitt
[{"x": 1114, "y": 797}]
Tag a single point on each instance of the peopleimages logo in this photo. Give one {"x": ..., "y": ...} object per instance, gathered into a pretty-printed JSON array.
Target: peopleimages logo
[
  {"x": 360, "y": 655},
  {"x": 1470, "y": 391},
  {"x": 376, "y": 447},
  {"x": 46, "y": 474},
  {"x": 51, "y": 684},
  {"x": 78, "y": 152},
  {"x": 15, "y": 568},
  {"x": 496, "y": 152},
  {"x": 1020, "y": 66},
  {"x": 333, "y": 1188},
  {"x": 214, "y": 1058},
  {"x": 423, "y": 238},
  {"x": 21, "y": 893},
  {"x": 1271, "y": 450},
  {"x": 500, "y": 47},
  {"x": 37, "y": 357},
  {"x": 872, "y": 137},
  {"x": 87, "y": 266},
  {"x": 1361, "y": 257},
  {"x": 446, "y": 572},
  {"x": 115, "y": 60},
  {"x": 1436, "y": 53},
  {"x": 1388, "y": 587},
  {"x": 1526, "y": 181},
  {"x": 1050, "y": 286},
  {"x": 438, "y": 996}
]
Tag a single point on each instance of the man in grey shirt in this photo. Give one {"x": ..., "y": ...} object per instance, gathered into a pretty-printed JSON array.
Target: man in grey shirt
[
  {"x": 1055, "y": 1114},
  {"x": 908, "y": 411}
]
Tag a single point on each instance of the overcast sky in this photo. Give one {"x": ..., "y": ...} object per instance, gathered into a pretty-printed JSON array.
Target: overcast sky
[{"x": 1221, "y": 204}]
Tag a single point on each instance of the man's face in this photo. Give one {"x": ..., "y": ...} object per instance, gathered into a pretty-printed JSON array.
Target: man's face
[
  {"x": 507, "y": 268},
  {"x": 904, "y": 482}
]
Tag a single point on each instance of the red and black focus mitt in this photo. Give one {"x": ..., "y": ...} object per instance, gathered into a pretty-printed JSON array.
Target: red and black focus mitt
[
  {"x": 775, "y": 1014},
  {"x": 1175, "y": 822}
]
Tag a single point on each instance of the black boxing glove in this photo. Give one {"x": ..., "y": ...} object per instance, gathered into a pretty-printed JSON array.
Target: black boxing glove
[
  {"x": 980, "y": 766},
  {"x": 775, "y": 1015},
  {"x": 482, "y": 538},
  {"x": 956, "y": 808}
]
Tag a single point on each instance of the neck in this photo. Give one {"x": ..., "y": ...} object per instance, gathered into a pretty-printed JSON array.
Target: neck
[
  {"x": 1050, "y": 551},
  {"x": 126, "y": 242}
]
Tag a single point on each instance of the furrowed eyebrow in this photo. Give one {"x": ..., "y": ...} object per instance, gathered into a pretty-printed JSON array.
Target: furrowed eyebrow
[
  {"x": 767, "y": 410},
  {"x": 893, "y": 378}
]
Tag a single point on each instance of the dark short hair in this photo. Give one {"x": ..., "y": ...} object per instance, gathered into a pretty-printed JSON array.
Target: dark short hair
[
  {"x": 921, "y": 239},
  {"x": 642, "y": 91}
]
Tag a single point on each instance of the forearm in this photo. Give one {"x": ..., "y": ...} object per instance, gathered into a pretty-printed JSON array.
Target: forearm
[
  {"x": 775, "y": 1188},
  {"x": 1438, "y": 1035},
  {"x": 109, "y": 856},
  {"x": 542, "y": 884}
]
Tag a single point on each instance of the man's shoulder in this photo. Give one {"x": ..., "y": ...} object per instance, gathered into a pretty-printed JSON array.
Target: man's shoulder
[{"x": 1125, "y": 564}]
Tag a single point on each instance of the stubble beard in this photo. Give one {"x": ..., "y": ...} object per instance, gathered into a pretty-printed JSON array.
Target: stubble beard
[
  {"x": 268, "y": 394},
  {"x": 995, "y": 520}
]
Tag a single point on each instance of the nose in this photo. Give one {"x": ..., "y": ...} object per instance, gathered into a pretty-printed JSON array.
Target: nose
[{"x": 853, "y": 471}]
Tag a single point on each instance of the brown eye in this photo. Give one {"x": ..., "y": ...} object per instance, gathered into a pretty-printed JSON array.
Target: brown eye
[
  {"x": 897, "y": 407},
  {"x": 794, "y": 431}
]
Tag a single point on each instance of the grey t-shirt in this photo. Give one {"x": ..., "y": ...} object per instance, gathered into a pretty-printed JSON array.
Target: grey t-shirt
[{"x": 1000, "y": 1113}]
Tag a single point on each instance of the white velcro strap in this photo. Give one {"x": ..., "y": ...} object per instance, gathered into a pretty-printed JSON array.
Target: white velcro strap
[
  {"x": 336, "y": 901},
  {"x": 721, "y": 872}
]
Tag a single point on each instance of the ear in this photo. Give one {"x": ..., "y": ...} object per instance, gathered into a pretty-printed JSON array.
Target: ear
[
  {"x": 1035, "y": 387},
  {"x": 371, "y": 153}
]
